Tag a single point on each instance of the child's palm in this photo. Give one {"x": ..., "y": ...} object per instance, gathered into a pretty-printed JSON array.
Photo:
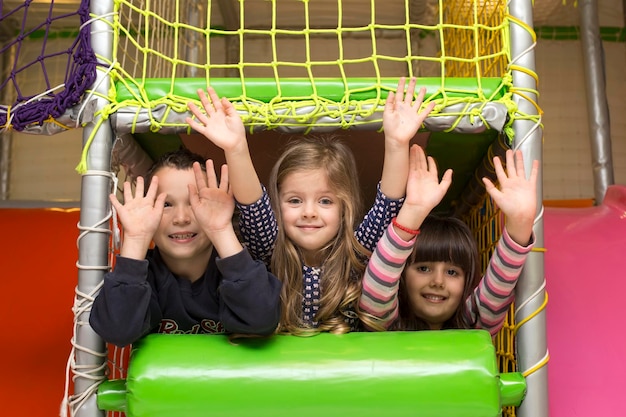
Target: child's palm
[
  {"x": 424, "y": 189},
  {"x": 212, "y": 204},
  {"x": 402, "y": 117},
  {"x": 213, "y": 208},
  {"x": 220, "y": 122},
  {"x": 517, "y": 196},
  {"x": 140, "y": 215}
]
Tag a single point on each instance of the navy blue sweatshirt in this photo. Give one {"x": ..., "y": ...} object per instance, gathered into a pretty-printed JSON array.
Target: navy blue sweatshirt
[{"x": 236, "y": 295}]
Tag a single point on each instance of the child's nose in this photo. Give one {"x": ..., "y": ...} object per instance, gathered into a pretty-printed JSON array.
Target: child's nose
[
  {"x": 309, "y": 210},
  {"x": 182, "y": 215},
  {"x": 437, "y": 279}
]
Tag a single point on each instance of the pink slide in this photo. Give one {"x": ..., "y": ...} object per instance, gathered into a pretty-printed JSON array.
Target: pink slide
[{"x": 585, "y": 268}]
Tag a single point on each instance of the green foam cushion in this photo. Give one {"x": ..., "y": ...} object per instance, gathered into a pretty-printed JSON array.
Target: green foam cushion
[{"x": 397, "y": 374}]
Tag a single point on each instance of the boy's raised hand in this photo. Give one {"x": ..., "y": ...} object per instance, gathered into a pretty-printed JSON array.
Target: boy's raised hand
[
  {"x": 402, "y": 117},
  {"x": 221, "y": 123},
  {"x": 140, "y": 216},
  {"x": 517, "y": 196},
  {"x": 212, "y": 204}
]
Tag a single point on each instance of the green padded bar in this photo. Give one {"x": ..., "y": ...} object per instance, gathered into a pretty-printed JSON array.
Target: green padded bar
[
  {"x": 442, "y": 373},
  {"x": 512, "y": 388},
  {"x": 265, "y": 89},
  {"x": 112, "y": 395}
]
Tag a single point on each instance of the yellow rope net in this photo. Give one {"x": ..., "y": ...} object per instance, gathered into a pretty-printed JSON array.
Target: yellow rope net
[{"x": 304, "y": 63}]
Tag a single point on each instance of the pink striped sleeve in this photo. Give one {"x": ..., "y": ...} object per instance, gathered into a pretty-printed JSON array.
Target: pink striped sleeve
[
  {"x": 488, "y": 305},
  {"x": 380, "y": 281}
]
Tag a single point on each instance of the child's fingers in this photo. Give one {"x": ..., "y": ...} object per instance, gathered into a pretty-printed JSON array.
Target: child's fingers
[
  {"x": 510, "y": 164},
  {"x": 215, "y": 100},
  {"x": 534, "y": 172},
  {"x": 417, "y": 158},
  {"x": 400, "y": 90},
  {"x": 115, "y": 202},
  {"x": 128, "y": 191},
  {"x": 497, "y": 164},
  {"x": 199, "y": 175},
  {"x": 199, "y": 115},
  {"x": 193, "y": 109},
  {"x": 446, "y": 179},
  {"x": 489, "y": 186},
  {"x": 519, "y": 164},
  {"x": 210, "y": 173},
  {"x": 432, "y": 165},
  {"x": 228, "y": 107},
  {"x": 429, "y": 107},
  {"x": 390, "y": 101},
  {"x": 160, "y": 200},
  {"x": 152, "y": 189},
  {"x": 194, "y": 199},
  {"x": 410, "y": 91},
  {"x": 224, "y": 182},
  {"x": 420, "y": 97},
  {"x": 206, "y": 103}
]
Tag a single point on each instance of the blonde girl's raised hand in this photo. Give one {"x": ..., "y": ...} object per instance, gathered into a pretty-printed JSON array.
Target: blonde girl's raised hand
[
  {"x": 219, "y": 122},
  {"x": 140, "y": 216},
  {"x": 424, "y": 189},
  {"x": 402, "y": 119},
  {"x": 222, "y": 125},
  {"x": 517, "y": 195}
]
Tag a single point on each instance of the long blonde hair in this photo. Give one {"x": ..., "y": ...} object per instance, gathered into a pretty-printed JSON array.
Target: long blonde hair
[{"x": 341, "y": 273}]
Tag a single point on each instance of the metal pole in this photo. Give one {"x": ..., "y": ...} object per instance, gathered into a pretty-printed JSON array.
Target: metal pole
[
  {"x": 530, "y": 292},
  {"x": 597, "y": 104},
  {"x": 6, "y": 96},
  {"x": 93, "y": 247}
]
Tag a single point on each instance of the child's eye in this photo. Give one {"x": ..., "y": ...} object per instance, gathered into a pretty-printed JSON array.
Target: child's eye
[
  {"x": 294, "y": 200},
  {"x": 166, "y": 204},
  {"x": 326, "y": 201},
  {"x": 421, "y": 268},
  {"x": 454, "y": 273}
]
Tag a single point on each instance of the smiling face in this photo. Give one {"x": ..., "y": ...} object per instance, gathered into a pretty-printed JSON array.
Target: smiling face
[
  {"x": 311, "y": 212},
  {"x": 435, "y": 291},
  {"x": 180, "y": 239}
]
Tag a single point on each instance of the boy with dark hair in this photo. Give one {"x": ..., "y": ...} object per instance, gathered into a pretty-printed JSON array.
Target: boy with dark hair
[{"x": 198, "y": 278}]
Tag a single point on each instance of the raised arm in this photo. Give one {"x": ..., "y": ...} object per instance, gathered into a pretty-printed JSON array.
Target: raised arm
[
  {"x": 424, "y": 191},
  {"x": 402, "y": 119},
  {"x": 517, "y": 196},
  {"x": 222, "y": 125},
  {"x": 249, "y": 293},
  {"x": 125, "y": 308},
  {"x": 488, "y": 305}
]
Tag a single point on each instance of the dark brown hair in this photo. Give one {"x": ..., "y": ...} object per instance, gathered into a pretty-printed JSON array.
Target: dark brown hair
[{"x": 180, "y": 159}]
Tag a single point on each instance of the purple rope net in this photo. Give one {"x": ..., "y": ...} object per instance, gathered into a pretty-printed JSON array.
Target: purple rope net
[{"x": 38, "y": 28}]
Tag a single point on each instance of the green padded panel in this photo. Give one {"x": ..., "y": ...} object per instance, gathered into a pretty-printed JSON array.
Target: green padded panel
[{"x": 439, "y": 373}]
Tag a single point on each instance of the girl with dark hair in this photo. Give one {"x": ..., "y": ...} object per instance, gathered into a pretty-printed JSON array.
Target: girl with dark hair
[{"x": 425, "y": 272}]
